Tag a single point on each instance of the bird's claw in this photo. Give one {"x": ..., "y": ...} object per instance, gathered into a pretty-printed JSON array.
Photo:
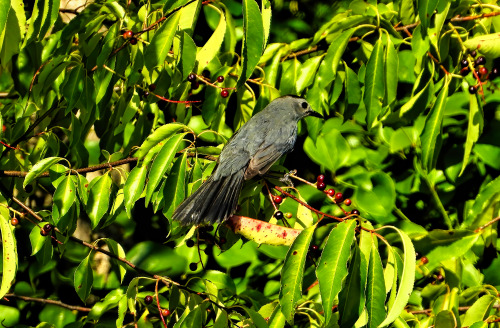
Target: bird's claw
[{"x": 286, "y": 178}]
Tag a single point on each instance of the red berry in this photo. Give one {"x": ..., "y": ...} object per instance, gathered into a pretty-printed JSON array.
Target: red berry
[
  {"x": 133, "y": 41},
  {"x": 224, "y": 93},
  {"x": 339, "y": 196},
  {"x": 148, "y": 299},
  {"x": 278, "y": 199},
  {"x": 321, "y": 186},
  {"x": 472, "y": 89},
  {"x": 165, "y": 312},
  {"x": 14, "y": 221},
  {"x": 220, "y": 79},
  {"x": 424, "y": 260},
  {"x": 128, "y": 34},
  {"x": 314, "y": 248},
  {"x": 278, "y": 215},
  {"x": 355, "y": 212},
  {"x": 347, "y": 202},
  {"x": 320, "y": 178},
  {"x": 4, "y": 128},
  {"x": 331, "y": 192},
  {"x": 483, "y": 70}
]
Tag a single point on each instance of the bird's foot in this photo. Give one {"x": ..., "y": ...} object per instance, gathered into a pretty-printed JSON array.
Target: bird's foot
[{"x": 286, "y": 178}]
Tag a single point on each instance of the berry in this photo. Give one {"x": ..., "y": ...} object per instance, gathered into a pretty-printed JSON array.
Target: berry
[
  {"x": 133, "y": 41},
  {"x": 145, "y": 93},
  {"x": 355, "y": 212},
  {"x": 148, "y": 299},
  {"x": 464, "y": 71},
  {"x": 424, "y": 260},
  {"x": 191, "y": 77},
  {"x": 347, "y": 202},
  {"x": 224, "y": 93},
  {"x": 195, "y": 85},
  {"x": 439, "y": 277},
  {"x": 481, "y": 60},
  {"x": 314, "y": 248},
  {"x": 473, "y": 53},
  {"x": 128, "y": 34},
  {"x": 48, "y": 227},
  {"x": 339, "y": 196},
  {"x": 321, "y": 186},
  {"x": 483, "y": 70},
  {"x": 222, "y": 241},
  {"x": 278, "y": 215},
  {"x": 288, "y": 215},
  {"x": 220, "y": 79},
  {"x": 493, "y": 74},
  {"x": 472, "y": 89},
  {"x": 165, "y": 312},
  {"x": 278, "y": 199},
  {"x": 331, "y": 192},
  {"x": 193, "y": 266},
  {"x": 152, "y": 87},
  {"x": 464, "y": 63},
  {"x": 4, "y": 128},
  {"x": 14, "y": 221},
  {"x": 189, "y": 243},
  {"x": 28, "y": 189},
  {"x": 44, "y": 232},
  {"x": 320, "y": 178}
]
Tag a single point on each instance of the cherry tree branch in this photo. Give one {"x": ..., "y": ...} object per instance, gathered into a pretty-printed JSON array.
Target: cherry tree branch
[{"x": 47, "y": 301}]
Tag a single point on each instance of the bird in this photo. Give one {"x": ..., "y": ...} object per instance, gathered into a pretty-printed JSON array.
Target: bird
[{"x": 251, "y": 151}]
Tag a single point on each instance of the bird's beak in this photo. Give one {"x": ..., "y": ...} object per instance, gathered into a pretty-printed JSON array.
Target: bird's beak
[{"x": 314, "y": 113}]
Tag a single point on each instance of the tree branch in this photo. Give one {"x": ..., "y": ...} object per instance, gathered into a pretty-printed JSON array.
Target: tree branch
[{"x": 47, "y": 301}]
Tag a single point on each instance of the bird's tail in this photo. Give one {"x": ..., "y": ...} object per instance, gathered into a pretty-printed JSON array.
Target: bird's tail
[{"x": 214, "y": 201}]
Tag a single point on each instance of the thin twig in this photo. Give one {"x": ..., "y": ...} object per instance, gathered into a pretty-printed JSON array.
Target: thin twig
[{"x": 47, "y": 301}]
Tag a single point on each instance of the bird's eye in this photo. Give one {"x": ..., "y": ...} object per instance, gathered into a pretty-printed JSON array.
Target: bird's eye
[{"x": 304, "y": 105}]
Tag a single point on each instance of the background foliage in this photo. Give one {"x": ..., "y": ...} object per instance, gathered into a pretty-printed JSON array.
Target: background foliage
[{"x": 411, "y": 136}]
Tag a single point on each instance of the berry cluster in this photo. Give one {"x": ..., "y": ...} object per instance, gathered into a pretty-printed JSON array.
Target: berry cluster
[
  {"x": 480, "y": 71},
  {"x": 129, "y": 35},
  {"x": 337, "y": 197},
  {"x": 195, "y": 84}
]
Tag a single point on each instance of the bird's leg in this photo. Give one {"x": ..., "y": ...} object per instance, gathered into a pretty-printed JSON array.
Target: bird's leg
[{"x": 286, "y": 178}]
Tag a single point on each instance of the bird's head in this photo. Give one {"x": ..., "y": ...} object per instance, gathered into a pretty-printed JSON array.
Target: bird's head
[{"x": 301, "y": 107}]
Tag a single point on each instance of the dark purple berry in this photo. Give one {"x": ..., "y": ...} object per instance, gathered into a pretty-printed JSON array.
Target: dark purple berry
[
  {"x": 464, "y": 63},
  {"x": 152, "y": 87},
  {"x": 481, "y": 60},
  {"x": 189, "y": 243},
  {"x": 28, "y": 189},
  {"x": 472, "y": 89},
  {"x": 321, "y": 186},
  {"x": 148, "y": 299},
  {"x": 355, "y": 212},
  {"x": 278, "y": 215},
  {"x": 133, "y": 41},
  {"x": 473, "y": 53},
  {"x": 493, "y": 73},
  {"x": 464, "y": 71},
  {"x": 191, "y": 77},
  {"x": 193, "y": 266},
  {"x": 195, "y": 85},
  {"x": 47, "y": 227}
]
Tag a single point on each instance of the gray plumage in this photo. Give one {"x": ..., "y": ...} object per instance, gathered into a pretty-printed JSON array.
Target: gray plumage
[{"x": 252, "y": 150}]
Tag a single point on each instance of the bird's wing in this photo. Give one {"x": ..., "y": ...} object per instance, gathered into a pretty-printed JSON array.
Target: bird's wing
[{"x": 262, "y": 161}]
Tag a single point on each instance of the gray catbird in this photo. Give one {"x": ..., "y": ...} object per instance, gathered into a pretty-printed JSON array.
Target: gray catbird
[{"x": 252, "y": 150}]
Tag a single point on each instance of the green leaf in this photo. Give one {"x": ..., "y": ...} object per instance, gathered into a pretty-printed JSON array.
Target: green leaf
[
  {"x": 391, "y": 71},
  {"x": 375, "y": 288},
  {"x": 175, "y": 186},
  {"x": 64, "y": 198},
  {"x": 73, "y": 86},
  {"x": 425, "y": 11},
  {"x": 162, "y": 163},
  {"x": 325, "y": 151},
  {"x": 407, "y": 12},
  {"x": 83, "y": 278},
  {"x": 353, "y": 93},
  {"x": 420, "y": 96},
  {"x": 445, "y": 319},
  {"x": 377, "y": 196},
  {"x": 9, "y": 249},
  {"x": 44, "y": 15},
  {"x": 307, "y": 73},
  {"x": 328, "y": 72},
  {"x": 187, "y": 57},
  {"x": 488, "y": 44},
  {"x": 479, "y": 311},
  {"x": 4, "y": 12},
  {"x": 12, "y": 32},
  {"x": 332, "y": 266},
  {"x": 266, "y": 19},
  {"x": 277, "y": 319},
  {"x": 482, "y": 202},
  {"x": 134, "y": 186},
  {"x": 108, "y": 44},
  {"x": 37, "y": 240},
  {"x": 293, "y": 273},
  {"x": 474, "y": 128},
  {"x": 158, "y": 136},
  {"x": 253, "y": 40},
  {"x": 212, "y": 47},
  {"x": 160, "y": 45},
  {"x": 431, "y": 135},
  {"x": 98, "y": 202},
  {"x": 406, "y": 281},
  {"x": 40, "y": 168},
  {"x": 118, "y": 250},
  {"x": 374, "y": 84}
]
